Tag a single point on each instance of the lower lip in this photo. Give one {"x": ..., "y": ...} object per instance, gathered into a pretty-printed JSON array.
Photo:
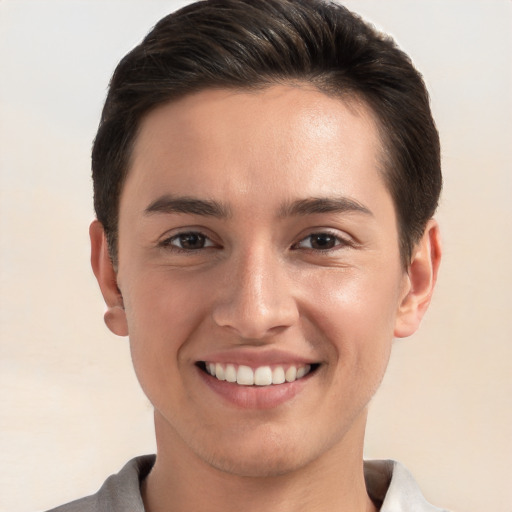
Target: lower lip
[{"x": 254, "y": 397}]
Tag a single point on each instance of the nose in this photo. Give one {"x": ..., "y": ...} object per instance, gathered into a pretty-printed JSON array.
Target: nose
[{"x": 257, "y": 301}]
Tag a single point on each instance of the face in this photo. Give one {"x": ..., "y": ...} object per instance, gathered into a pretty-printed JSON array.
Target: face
[{"x": 260, "y": 273}]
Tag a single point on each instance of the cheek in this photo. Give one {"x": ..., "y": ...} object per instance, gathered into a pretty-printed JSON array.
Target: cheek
[
  {"x": 355, "y": 300},
  {"x": 163, "y": 312},
  {"x": 163, "y": 303},
  {"x": 355, "y": 312}
]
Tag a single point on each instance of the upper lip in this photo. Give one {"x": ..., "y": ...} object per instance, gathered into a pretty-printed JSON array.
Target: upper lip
[{"x": 257, "y": 356}]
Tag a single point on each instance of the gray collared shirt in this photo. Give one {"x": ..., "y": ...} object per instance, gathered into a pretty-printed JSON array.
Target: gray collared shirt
[{"x": 387, "y": 481}]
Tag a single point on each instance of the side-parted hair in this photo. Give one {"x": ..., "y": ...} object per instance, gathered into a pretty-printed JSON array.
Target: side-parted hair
[{"x": 252, "y": 44}]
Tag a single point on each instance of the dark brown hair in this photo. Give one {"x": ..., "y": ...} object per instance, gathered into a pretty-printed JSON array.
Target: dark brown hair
[{"x": 247, "y": 44}]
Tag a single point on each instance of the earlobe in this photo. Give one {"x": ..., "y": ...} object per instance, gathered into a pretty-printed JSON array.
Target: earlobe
[
  {"x": 422, "y": 276},
  {"x": 115, "y": 316}
]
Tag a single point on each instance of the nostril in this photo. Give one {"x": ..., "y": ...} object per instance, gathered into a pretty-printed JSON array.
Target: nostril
[
  {"x": 257, "y": 303},
  {"x": 256, "y": 324}
]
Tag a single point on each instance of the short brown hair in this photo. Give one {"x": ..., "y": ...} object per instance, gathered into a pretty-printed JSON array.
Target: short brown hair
[{"x": 247, "y": 44}]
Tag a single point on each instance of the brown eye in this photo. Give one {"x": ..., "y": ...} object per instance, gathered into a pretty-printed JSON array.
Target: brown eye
[
  {"x": 323, "y": 241},
  {"x": 320, "y": 242},
  {"x": 190, "y": 241}
]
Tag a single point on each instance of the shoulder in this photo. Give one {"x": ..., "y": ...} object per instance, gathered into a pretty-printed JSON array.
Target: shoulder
[
  {"x": 390, "y": 484},
  {"x": 120, "y": 491}
]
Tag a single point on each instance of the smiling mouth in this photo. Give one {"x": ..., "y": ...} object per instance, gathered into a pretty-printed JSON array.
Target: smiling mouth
[{"x": 260, "y": 376}]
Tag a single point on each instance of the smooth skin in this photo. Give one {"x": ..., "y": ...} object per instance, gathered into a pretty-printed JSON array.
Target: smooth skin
[{"x": 257, "y": 226}]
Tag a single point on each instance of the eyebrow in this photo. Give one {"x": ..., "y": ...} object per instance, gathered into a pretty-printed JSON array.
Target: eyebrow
[
  {"x": 190, "y": 205},
  {"x": 210, "y": 208},
  {"x": 315, "y": 205}
]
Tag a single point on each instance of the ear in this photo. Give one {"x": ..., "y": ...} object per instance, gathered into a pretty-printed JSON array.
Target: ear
[
  {"x": 115, "y": 316},
  {"x": 421, "y": 279}
]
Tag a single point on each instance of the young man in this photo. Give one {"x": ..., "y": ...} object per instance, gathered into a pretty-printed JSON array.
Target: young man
[{"x": 265, "y": 178}]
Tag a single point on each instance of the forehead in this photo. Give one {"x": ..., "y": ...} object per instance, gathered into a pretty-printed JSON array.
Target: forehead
[{"x": 251, "y": 146}]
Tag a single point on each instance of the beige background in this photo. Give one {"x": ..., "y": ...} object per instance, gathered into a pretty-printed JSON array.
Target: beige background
[{"x": 70, "y": 409}]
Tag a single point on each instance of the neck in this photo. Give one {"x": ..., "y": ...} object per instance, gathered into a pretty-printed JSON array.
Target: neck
[{"x": 180, "y": 481}]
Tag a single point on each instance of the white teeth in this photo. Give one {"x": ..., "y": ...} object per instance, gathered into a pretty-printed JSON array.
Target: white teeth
[
  {"x": 261, "y": 376},
  {"x": 219, "y": 372},
  {"x": 291, "y": 374},
  {"x": 230, "y": 373},
  {"x": 302, "y": 371},
  {"x": 245, "y": 376},
  {"x": 278, "y": 376}
]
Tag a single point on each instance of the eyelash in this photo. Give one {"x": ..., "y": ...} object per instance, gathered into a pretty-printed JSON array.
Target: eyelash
[
  {"x": 168, "y": 242},
  {"x": 338, "y": 241}
]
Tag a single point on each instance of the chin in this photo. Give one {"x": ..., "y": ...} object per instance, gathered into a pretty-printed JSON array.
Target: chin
[
  {"x": 269, "y": 456},
  {"x": 260, "y": 466}
]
